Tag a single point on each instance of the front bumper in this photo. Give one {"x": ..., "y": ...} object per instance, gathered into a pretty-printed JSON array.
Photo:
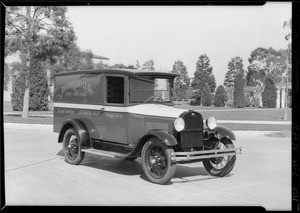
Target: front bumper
[{"x": 199, "y": 155}]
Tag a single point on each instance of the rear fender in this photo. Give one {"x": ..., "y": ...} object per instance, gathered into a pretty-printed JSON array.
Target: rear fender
[{"x": 79, "y": 126}]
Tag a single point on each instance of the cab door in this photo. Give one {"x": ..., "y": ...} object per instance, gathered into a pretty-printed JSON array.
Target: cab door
[{"x": 111, "y": 124}]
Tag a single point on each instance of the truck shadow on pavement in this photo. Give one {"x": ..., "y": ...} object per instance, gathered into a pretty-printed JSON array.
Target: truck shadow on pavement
[{"x": 183, "y": 174}]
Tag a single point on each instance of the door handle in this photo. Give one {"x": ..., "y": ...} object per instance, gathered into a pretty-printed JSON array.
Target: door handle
[{"x": 102, "y": 110}]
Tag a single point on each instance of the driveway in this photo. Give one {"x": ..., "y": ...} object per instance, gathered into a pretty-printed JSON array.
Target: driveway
[{"x": 36, "y": 174}]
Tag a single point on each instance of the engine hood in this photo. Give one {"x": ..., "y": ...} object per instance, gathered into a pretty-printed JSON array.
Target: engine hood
[{"x": 158, "y": 110}]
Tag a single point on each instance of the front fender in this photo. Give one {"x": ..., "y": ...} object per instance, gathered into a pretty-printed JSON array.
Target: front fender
[
  {"x": 225, "y": 132},
  {"x": 162, "y": 135}
]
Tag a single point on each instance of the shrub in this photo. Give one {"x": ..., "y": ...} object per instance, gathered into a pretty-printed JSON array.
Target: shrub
[
  {"x": 238, "y": 94},
  {"x": 269, "y": 94},
  {"x": 220, "y": 97},
  {"x": 39, "y": 91},
  {"x": 254, "y": 103},
  {"x": 247, "y": 100},
  {"x": 206, "y": 98},
  {"x": 229, "y": 103},
  {"x": 195, "y": 102}
]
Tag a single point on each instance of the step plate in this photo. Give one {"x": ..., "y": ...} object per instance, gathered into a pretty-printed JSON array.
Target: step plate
[{"x": 104, "y": 153}]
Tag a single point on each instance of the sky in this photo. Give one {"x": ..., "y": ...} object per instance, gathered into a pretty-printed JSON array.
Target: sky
[{"x": 165, "y": 34}]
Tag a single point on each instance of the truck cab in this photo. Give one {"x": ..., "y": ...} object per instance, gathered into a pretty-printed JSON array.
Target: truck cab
[{"x": 127, "y": 114}]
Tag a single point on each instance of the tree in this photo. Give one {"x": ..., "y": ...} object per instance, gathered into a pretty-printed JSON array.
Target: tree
[
  {"x": 100, "y": 65},
  {"x": 137, "y": 66},
  {"x": 235, "y": 66},
  {"x": 38, "y": 96},
  {"x": 203, "y": 75},
  {"x": 6, "y": 76},
  {"x": 257, "y": 67},
  {"x": 118, "y": 66},
  {"x": 73, "y": 59},
  {"x": 121, "y": 66},
  {"x": 37, "y": 32},
  {"x": 220, "y": 96},
  {"x": 206, "y": 98},
  {"x": 148, "y": 65},
  {"x": 269, "y": 95},
  {"x": 181, "y": 83},
  {"x": 265, "y": 63},
  {"x": 288, "y": 60},
  {"x": 238, "y": 94}
]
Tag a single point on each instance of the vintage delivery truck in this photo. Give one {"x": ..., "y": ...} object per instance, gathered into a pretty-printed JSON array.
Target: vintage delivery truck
[{"x": 128, "y": 114}]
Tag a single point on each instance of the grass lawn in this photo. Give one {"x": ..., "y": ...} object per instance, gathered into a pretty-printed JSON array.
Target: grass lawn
[
  {"x": 30, "y": 120},
  {"x": 8, "y": 108},
  {"x": 253, "y": 114},
  {"x": 220, "y": 113}
]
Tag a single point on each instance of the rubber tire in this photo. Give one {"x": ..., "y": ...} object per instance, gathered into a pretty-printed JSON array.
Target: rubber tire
[
  {"x": 229, "y": 165},
  {"x": 171, "y": 166},
  {"x": 80, "y": 155}
]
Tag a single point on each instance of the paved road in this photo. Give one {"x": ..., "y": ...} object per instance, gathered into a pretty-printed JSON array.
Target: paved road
[{"x": 36, "y": 174}]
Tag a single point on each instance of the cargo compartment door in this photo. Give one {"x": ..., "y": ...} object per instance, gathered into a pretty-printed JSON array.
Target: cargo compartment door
[{"x": 113, "y": 116}]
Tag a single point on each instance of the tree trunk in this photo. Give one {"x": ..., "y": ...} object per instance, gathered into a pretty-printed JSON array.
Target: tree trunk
[{"x": 25, "y": 113}]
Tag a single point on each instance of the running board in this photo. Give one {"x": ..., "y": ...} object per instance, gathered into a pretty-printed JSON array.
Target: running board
[{"x": 104, "y": 153}]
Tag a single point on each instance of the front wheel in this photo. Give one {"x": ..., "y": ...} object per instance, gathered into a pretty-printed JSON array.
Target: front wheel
[
  {"x": 72, "y": 147},
  {"x": 220, "y": 166},
  {"x": 156, "y": 161}
]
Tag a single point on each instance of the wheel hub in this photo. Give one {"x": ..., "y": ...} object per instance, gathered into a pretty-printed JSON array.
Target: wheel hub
[
  {"x": 217, "y": 160},
  {"x": 155, "y": 160}
]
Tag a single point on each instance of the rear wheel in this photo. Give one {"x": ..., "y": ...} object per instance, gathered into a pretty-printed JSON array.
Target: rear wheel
[
  {"x": 156, "y": 161},
  {"x": 72, "y": 147},
  {"x": 220, "y": 166}
]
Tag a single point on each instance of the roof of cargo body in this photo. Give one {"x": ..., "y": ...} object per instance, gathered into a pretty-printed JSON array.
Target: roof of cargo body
[{"x": 130, "y": 72}]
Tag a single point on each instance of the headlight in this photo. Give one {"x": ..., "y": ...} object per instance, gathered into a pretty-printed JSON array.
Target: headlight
[
  {"x": 179, "y": 124},
  {"x": 211, "y": 122}
]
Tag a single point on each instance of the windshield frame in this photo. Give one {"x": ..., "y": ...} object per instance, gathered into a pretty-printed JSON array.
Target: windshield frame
[{"x": 151, "y": 99}]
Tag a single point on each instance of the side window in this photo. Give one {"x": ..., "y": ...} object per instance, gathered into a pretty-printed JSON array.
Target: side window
[{"x": 115, "y": 90}]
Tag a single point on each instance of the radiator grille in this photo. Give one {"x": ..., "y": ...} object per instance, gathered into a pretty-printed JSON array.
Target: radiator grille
[{"x": 192, "y": 135}]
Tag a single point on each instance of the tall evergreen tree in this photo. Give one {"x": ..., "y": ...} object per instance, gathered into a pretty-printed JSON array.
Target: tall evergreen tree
[
  {"x": 39, "y": 91},
  {"x": 238, "y": 94},
  {"x": 181, "y": 83},
  {"x": 203, "y": 75},
  {"x": 220, "y": 96},
  {"x": 6, "y": 76},
  {"x": 269, "y": 95},
  {"x": 235, "y": 66},
  {"x": 206, "y": 98}
]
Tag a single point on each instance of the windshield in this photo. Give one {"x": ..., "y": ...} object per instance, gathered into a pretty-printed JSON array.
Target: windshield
[{"x": 150, "y": 89}]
